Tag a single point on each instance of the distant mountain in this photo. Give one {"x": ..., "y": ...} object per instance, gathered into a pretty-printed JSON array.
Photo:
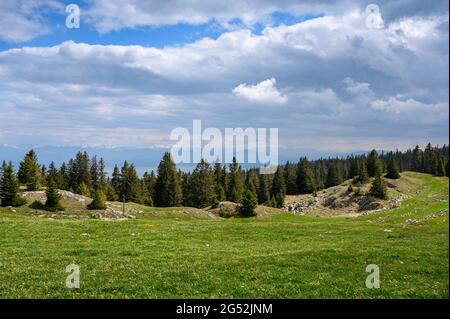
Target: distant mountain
[{"x": 145, "y": 159}]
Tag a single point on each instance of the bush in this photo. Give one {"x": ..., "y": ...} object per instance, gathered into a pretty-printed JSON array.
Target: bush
[
  {"x": 18, "y": 201},
  {"x": 99, "y": 200},
  {"x": 350, "y": 189},
  {"x": 37, "y": 205}
]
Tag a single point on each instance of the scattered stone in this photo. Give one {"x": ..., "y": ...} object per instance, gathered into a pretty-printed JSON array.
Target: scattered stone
[
  {"x": 387, "y": 230},
  {"x": 411, "y": 221}
]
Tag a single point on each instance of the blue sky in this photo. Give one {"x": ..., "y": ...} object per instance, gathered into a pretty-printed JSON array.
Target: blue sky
[{"x": 135, "y": 70}]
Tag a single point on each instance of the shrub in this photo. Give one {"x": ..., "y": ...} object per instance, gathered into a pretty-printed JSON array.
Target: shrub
[{"x": 99, "y": 200}]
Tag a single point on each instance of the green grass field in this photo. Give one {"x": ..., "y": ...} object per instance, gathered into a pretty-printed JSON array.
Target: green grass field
[{"x": 284, "y": 256}]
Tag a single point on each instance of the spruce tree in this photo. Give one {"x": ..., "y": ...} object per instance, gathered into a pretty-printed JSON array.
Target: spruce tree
[
  {"x": 9, "y": 187},
  {"x": 249, "y": 203},
  {"x": 219, "y": 181},
  {"x": 168, "y": 192},
  {"x": 291, "y": 178},
  {"x": 392, "y": 169},
  {"x": 333, "y": 175},
  {"x": 374, "y": 166},
  {"x": 53, "y": 198},
  {"x": 130, "y": 184},
  {"x": 264, "y": 189},
  {"x": 379, "y": 188},
  {"x": 305, "y": 177},
  {"x": 235, "y": 184},
  {"x": 440, "y": 170},
  {"x": 201, "y": 186},
  {"x": 362, "y": 177},
  {"x": 148, "y": 183},
  {"x": 278, "y": 189},
  {"x": 30, "y": 173}
]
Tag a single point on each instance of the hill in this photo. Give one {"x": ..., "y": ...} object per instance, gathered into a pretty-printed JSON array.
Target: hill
[{"x": 166, "y": 253}]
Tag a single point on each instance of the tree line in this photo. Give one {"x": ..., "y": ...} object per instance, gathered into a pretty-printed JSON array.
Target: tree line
[{"x": 208, "y": 184}]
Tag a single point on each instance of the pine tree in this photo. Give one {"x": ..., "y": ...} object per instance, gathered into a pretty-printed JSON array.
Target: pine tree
[
  {"x": 9, "y": 187},
  {"x": 333, "y": 175},
  {"x": 148, "y": 183},
  {"x": 98, "y": 200},
  {"x": 235, "y": 184},
  {"x": 362, "y": 177},
  {"x": 440, "y": 171},
  {"x": 249, "y": 203},
  {"x": 130, "y": 184},
  {"x": 30, "y": 173},
  {"x": 53, "y": 175},
  {"x": 354, "y": 167},
  {"x": 379, "y": 188},
  {"x": 116, "y": 183},
  {"x": 278, "y": 189},
  {"x": 416, "y": 162},
  {"x": 305, "y": 177},
  {"x": 53, "y": 198},
  {"x": 374, "y": 166},
  {"x": 201, "y": 186},
  {"x": 392, "y": 169},
  {"x": 219, "y": 181},
  {"x": 168, "y": 191},
  {"x": 263, "y": 192},
  {"x": 291, "y": 178}
]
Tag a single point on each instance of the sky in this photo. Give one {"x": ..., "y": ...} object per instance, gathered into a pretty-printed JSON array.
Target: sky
[{"x": 327, "y": 77}]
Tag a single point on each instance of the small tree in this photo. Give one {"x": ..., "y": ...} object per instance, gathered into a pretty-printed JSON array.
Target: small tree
[
  {"x": 379, "y": 188},
  {"x": 392, "y": 169},
  {"x": 99, "y": 200},
  {"x": 249, "y": 203},
  {"x": 52, "y": 203},
  {"x": 9, "y": 187}
]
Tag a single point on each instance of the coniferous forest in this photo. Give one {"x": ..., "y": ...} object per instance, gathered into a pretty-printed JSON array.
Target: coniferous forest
[{"x": 210, "y": 183}]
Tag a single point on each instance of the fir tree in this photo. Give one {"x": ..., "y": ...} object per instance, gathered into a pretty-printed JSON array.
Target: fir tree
[
  {"x": 362, "y": 177},
  {"x": 373, "y": 164},
  {"x": 235, "y": 184},
  {"x": 291, "y": 178},
  {"x": 278, "y": 189},
  {"x": 305, "y": 177},
  {"x": 9, "y": 187},
  {"x": 53, "y": 198},
  {"x": 333, "y": 176},
  {"x": 30, "y": 173},
  {"x": 249, "y": 203},
  {"x": 440, "y": 170},
  {"x": 264, "y": 189},
  {"x": 392, "y": 169},
  {"x": 219, "y": 181},
  {"x": 168, "y": 191},
  {"x": 379, "y": 188},
  {"x": 149, "y": 181},
  {"x": 201, "y": 186},
  {"x": 130, "y": 184}
]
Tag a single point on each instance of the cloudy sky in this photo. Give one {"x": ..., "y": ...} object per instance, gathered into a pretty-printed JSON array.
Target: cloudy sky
[{"x": 330, "y": 75}]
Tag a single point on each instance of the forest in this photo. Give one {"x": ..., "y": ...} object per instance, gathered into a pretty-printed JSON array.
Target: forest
[{"x": 210, "y": 183}]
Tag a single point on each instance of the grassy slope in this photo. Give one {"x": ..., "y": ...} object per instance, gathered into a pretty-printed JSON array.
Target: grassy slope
[{"x": 285, "y": 256}]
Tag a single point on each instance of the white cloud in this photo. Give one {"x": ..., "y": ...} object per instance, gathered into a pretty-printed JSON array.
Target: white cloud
[
  {"x": 264, "y": 92},
  {"x": 21, "y": 20},
  {"x": 329, "y": 70}
]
